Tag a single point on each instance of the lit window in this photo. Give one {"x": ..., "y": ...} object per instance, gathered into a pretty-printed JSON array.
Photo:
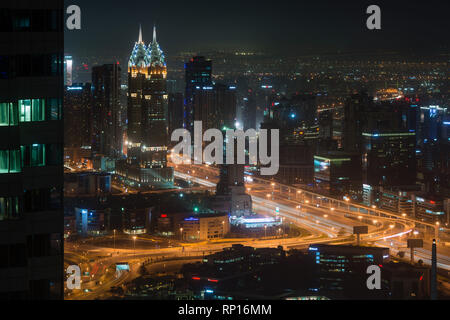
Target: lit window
[
  {"x": 38, "y": 110},
  {"x": 8, "y": 114},
  {"x": 10, "y": 161},
  {"x": 25, "y": 110},
  {"x": 32, "y": 110}
]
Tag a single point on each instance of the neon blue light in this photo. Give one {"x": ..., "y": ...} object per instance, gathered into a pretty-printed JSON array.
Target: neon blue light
[{"x": 74, "y": 88}]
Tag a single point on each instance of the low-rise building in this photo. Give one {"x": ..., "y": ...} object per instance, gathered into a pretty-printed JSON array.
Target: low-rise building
[{"x": 205, "y": 227}]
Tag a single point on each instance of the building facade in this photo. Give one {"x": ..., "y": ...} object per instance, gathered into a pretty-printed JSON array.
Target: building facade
[
  {"x": 31, "y": 149},
  {"x": 147, "y": 133}
]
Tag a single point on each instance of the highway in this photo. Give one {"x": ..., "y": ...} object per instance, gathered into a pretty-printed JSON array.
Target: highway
[
  {"x": 327, "y": 217},
  {"x": 327, "y": 222}
]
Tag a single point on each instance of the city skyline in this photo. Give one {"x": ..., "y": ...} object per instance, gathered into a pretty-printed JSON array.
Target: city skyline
[
  {"x": 315, "y": 150},
  {"x": 300, "y": 28}
]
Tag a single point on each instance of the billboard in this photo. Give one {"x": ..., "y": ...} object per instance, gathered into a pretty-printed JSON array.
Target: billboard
[{"x": 360, "y": 229}]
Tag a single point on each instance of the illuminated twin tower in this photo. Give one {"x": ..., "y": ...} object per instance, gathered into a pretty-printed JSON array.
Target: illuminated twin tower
[{"x": 147, "y": 133}]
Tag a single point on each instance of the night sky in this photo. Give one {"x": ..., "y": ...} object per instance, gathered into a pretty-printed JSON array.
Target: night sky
[{"x": 278, "y": 26}]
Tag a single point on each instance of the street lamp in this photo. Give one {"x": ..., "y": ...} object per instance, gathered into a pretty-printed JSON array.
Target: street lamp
[
  {"x": 265, "y": 231},
  {"x": 134, "y": 246},
  {"x": 436, "y": 230},
  {"x": 114, "y": 237},
  {"x": 181, "y": 233}
]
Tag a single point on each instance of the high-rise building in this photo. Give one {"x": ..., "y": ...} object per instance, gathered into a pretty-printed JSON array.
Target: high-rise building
[
  {"x": 296, "y": 118},
  {"x": 389, "y": 159},
  {"x": 107, "y": 135},
  {"x": 384, "y": 134},
  {"x": 147, "y": 132},
  {"x": 31, "y": 149},
  {"x": 78, "y": 124},
  {"x": 214, "y": 106},
  {"x": 78, "y": 116},
  {"x": 249, "y": 111},
  {"x": 175, "y": 111},
  {"x": 433, "y": 148},
  {"x": 342, "y": 270},
  {"x": 337, "y": 173},
  {"x": 198, "y": 75},
  {"x": 354, "y": 121}
]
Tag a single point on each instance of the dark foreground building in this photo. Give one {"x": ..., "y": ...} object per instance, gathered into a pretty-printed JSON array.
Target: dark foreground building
[{"x": 31, "y": 140}]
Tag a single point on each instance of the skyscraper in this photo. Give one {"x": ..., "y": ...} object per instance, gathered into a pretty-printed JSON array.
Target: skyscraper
[
  {"x": 78, "y": 116},
  {"x": 77, "y": 122},
  {"x": 296, "y": 118},
  {"x": 31, "y": 148},
  {"x": 146, "y": 163},
  {"x": 214, "y": 106},
  {"x": 107, "y": 135},
  {"x": 389, "y": 159},
  {"x": 175, "y": 111},
  {"x": 198, "y": 75}
]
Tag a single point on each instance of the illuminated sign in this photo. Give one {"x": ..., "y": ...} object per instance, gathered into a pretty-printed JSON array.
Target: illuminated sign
[{"x": 122, "y": 266}]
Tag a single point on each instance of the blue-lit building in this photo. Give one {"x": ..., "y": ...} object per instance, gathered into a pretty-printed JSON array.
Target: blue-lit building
[
  {"x": 198, "y": 71},
  {"x": 342, "y": 269},
  {"x": 90, "y": 222},
  {"x": 433, "y": 149},
  {"x": 338, "y": 173},
  {"x": 256, "y": 222}
]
